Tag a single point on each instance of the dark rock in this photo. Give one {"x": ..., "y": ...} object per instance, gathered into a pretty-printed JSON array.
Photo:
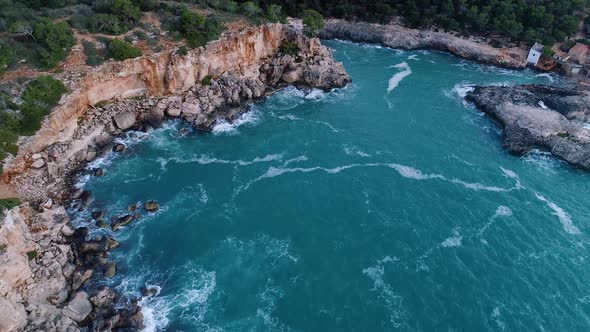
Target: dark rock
[
  {"x": 133, "y": 207},
  {"x": 151, "y": 206},
  {"x": 98, "y": 214},
  {"x": 98, "y": 172},
  {"x": 539, "y": 117},
  {"x": 101, "y": 224},
  {"x": 119, "y": 147},
  {"x": 110, "y": 269},
  {"x": 148, "y": 291},
  {"x": 120, "y": 222},
  {"x": 155, "y": 117}
]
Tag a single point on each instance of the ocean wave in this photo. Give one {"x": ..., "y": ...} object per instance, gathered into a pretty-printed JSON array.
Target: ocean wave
[
  {"x": 399, "y": 76},
  {"x": 501, "y": 211},
  {"x": 413, "y": 57},
  {"x": 205, "y": 159},
  {"x": 543, "y": 160},
  {"x": 226, "y": 127},
  {"x": 353, "y": 150},
  {"x": 564, "y": 217},
  {"x": 403, "y": 170},
  {"x": 393, "y": 301},
  {"x": 547, "y": 76},
  {"x": 453, "y": 241}
]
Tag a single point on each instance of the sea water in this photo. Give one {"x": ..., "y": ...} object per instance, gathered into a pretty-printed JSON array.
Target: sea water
[{"x": 388, "y": 205}]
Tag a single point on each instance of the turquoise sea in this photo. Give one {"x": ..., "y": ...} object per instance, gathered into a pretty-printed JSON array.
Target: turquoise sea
[{"x": 389, "y": 205}]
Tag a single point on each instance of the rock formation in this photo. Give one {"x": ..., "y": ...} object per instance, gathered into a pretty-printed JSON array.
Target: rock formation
[
  {"x": 540, "y": 117},
  {"x": 44, "y": 261},
  {"x": 397, "y": 36}
]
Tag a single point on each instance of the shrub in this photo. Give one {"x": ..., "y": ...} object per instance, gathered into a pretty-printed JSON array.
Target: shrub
[
  {"x": 548, "y": 51},
  {"x": 289, "y": 48},
  {"x": 565, "y": 47},
  {"x": 8, "y": 203},
  {"x": 121, "y": 50},
  {"x": 92, "y": 57},
  {"x": 7, "y": 55},
  {"x": 53, "y": 39},
  {"x": 182, "y": 50},
  {"x": 206, "y": 80},
  {"x": 313, "y": 22},
  {"x": 197, "y": 30},
  {"x": 40, "y": 96},
  {"x": 32, "y": 254},
  {"x": 250, "y": 9}
]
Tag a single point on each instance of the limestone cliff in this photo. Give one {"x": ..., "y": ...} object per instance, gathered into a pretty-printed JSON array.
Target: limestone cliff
[
  {"x": 397, "y": 36},
  {"x": 44, "y": 262}
]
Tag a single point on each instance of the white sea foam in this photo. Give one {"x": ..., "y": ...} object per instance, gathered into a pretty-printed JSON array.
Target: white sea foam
[
  {"x": 353, "y": 150},
  {"x": 453, "y": 241},
  {"x": 399, "y": 76},
  {"x": 413, "y": 57},
  {"x": 231, "y": 128},
  {"x": 315, "y": 94},
  {"x": 203, "y": 197},
  {"x": 501, "y": 211},
  {"x": 393, "y": 301},
  {"x": 496, "y": 317},
  {"x": 543, "y": 160},
  {"x": 413, "y": 173},
  {"x": 546, "y": 75},
  {"x": 207, "y": 159},
  {"x": 295, "y": 160},
  {"x": 564, "y": 217},
  {"x": 542, "y": 104}
]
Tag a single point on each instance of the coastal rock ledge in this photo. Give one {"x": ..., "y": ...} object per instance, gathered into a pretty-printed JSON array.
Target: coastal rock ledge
[
  {"x": 45, "y": 262},
  {"x": 540, "y": 117}
]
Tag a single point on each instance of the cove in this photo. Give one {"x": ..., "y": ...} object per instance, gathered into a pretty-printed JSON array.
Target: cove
[{"x": 386, "y": 205}]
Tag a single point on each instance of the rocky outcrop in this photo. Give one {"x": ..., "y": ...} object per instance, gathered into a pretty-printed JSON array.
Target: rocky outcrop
[
  {"x": 540, "y": 117},
  {"x": 44, "y": 261},
  {"x": 397, "y": 36}
]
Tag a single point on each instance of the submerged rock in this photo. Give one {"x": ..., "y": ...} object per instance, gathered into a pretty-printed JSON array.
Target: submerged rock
[
  {"x": 119, "y": 147},
  {"x": 121, "y": 221},
  {"x": 98, "y": 172},
  {"x": 98, "y": 214},
  {"x": 151, "y": 206},
  {"x": 110, "y": 269},
  {"x": 540, "y": 117}
]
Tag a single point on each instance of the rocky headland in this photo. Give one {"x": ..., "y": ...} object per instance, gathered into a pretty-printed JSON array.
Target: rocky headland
[
  {"x": 540, "y": 117},
  {"x": 45, "y": 262},
  {"x": 400, "y": 37}
]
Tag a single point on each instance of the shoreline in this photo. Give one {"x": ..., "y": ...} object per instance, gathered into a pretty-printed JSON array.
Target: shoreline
[
  {"x": 399, "y": 37},
  {"x": 80, "y": 130}
]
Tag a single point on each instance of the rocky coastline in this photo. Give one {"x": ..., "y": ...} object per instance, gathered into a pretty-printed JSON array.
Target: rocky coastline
[
  {"x": 400, "y": 37},
  {"x": 45, "y": 261},
  {"x": 540, "y": 117}
]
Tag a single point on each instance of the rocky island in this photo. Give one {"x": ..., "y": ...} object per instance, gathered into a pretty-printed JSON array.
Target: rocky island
[
  {"x": 540, "y": 117},
  {"x": 46, "y": 261}
]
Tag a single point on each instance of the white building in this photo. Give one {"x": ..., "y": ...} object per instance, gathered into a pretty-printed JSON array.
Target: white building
[{"x": 534, "y": 54}]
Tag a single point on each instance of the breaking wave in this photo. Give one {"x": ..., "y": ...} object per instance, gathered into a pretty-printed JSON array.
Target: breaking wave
[
  {"x": 223, "y": 126},
  {"x": 564, "y": 217}
]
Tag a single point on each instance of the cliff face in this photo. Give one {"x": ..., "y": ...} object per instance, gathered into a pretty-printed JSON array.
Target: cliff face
[
  {"x": 396, "y": 36},
  {"x": 45, "y": 291},
  {"x": 160, "y": 74},
  {"x": 540, "y": 117}
]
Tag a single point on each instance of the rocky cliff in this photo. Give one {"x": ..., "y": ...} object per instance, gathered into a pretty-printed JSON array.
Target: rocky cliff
[
  {"x": 397, "y": 36},
  {"x": 44, "y": 261},
  {"x": 540, "y": 117}
]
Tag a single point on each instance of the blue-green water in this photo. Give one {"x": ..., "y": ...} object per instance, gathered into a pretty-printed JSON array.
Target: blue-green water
[{"x": 355, "y": 210}]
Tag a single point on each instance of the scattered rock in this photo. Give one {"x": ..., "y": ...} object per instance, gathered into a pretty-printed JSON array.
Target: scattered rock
[
  {"x": 151, "y": 206},
  {"x": 132, "y": 207},
  {"x": 98, "y": 172},
  {"x": 119, "y": 147},
  {"x": 104, "y": 297},
  {"x": 97, "y": 214},
  {"x": 101, "y": 224},
  {"x": 67, "y": 230},
  {"x": 120, "y": 222},
  {"x": 48, "y": 204},
  {"x": 39, "y": 163},
  {"x": 79, "y": 307},
  {"x": 109, "y": 270},
  {"x": 125, "y": 120}
]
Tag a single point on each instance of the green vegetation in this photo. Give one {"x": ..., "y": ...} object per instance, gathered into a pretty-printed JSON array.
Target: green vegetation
[
  {"x": 121, "y": 50},
  {"x": 565, "y": 47},
  {"x": 182, "y": 50},
  {"x": 198, "y": 30},
  {"x": 206, "y": 80},
  {"x": 8, "y": 203},
  {"x": 564, "y": 135},
  {"x": 3, "y": 248},
  {"x": 32, "y": 254},
  {"x": 40, "y": 96},
  {"x": 289, "y": 48},
  {"x": 92, "y": 57},
  {"x": 53, "y": 40},
  {"x": 548, "y": 51},
  {"x": 312, "y": 22}
]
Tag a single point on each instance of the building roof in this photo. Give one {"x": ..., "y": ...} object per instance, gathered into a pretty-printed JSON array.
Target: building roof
[
  {"x": 537, "y": 47},
  {"x": 578, "y": 51}
]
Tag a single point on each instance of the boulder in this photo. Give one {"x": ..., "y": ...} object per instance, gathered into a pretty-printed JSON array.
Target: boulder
[
  {"x": 155, "y": 116},
  {"x": 125, "y": 120},
  {"x": 67, "y": 230},
  {"x": 110, "y": 269},
  {"x": 98, "y": 172},
  {"x": 79, "y": 307},
  {"x": 101, "y": 224},
  {"x": 104, "y": 297},
  {"x": 98, "y": 214},
  {"x": 119, "y": 147},
  {"x": 151, "y": 206},
  {"x": 14, "y": 316},
  {"x": 175, "y": 106},
  {"x": 39, "y": 163},
  {"x": 48, "y": 204},
  {"x": 121, "y": 221},
  {"x": 293, "y": 75}
]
